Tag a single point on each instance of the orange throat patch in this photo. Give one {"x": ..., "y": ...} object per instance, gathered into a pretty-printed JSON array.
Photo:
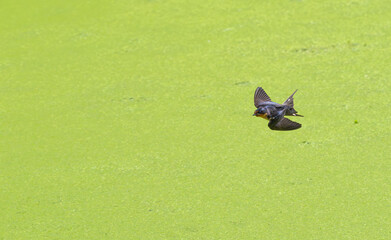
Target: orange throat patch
[{"x": 264, "y": 116}]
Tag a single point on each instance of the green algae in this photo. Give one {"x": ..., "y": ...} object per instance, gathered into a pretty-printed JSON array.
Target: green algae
[{"x": 133, "y": 120}]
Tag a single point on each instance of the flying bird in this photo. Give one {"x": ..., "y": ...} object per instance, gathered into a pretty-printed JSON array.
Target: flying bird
[{"x": 275, "y": 113}]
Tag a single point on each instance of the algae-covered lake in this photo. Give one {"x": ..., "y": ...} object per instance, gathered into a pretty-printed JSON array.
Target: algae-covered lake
[{"x": 133, "y": 119}]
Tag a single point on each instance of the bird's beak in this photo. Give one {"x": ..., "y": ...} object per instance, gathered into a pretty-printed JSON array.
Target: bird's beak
[{"x": 254, "y": 114}]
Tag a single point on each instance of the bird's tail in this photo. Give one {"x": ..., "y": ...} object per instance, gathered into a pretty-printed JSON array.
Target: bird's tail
[{"x": 289, "y": 101}]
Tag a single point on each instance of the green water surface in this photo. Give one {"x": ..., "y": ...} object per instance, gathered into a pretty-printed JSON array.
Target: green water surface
[{"x": 133, "y": 119}]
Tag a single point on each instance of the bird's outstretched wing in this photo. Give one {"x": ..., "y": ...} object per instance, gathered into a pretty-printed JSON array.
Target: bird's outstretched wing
[
  {"x": 260, "y": 96},
  {"x": 283, "y": 125}
]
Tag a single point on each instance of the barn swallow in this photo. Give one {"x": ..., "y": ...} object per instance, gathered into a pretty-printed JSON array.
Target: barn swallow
[{"x": 274, "y": 112}]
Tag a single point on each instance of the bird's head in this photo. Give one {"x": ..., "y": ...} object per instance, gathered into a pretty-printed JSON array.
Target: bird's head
[{"x": 260, "y": 112}]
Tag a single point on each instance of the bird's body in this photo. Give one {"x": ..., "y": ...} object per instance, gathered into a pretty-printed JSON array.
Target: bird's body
[{"x": 275, "y": 112}]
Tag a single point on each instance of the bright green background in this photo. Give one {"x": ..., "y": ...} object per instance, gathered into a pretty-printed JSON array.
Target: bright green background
[{"x": 133, "y": 119}]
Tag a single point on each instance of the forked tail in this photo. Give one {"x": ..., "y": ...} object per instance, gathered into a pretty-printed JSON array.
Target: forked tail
[{"x": 289, "y": 101}]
